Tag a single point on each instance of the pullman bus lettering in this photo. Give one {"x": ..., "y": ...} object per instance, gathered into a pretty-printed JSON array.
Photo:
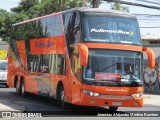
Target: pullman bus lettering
[{"x": 110, "y": 31}]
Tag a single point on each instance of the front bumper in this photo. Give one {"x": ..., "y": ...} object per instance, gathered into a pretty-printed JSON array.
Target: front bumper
[{"x": 117, "y": 101}]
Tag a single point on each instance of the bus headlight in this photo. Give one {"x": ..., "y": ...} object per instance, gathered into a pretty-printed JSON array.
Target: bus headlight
[
  {"x": 91, "y": 93},
  {"x": 137, "y": 95},
  {"x": 96, "y": 94}
]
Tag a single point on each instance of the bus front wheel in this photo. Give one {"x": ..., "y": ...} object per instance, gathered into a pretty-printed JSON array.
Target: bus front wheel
[
  {"x": 60, "y": 97},
  {"x": 113, "y": 108}
]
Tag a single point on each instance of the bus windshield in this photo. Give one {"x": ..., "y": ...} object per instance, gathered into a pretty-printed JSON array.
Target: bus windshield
[
  {"x": 111, "y": 29},
  {"x": 113, "y": 66}
]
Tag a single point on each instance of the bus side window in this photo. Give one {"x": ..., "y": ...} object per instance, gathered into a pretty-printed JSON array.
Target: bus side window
[
  {"x": 57, "y": 64},
  {"x": 60, "y": 65},
  {"x": 34, "y": 62},
  {"x": 45, "y": 27},
  {"x": 72, "y": 28}
]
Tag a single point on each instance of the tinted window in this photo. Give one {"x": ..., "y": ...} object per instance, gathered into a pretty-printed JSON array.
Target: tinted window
[
  {"x": 17, "y": 34},
  {"x": 72, "y": 27},
  {"x": 114, "y": 29},
  {"x": 46, "y": 27},
  {"x": 48, "y": 63},
  {"x": 123, "y": 65},
  {"x": 49, "y": 27}
]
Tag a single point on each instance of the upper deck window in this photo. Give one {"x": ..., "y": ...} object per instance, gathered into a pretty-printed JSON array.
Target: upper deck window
[{"x": 111, "y": 29}]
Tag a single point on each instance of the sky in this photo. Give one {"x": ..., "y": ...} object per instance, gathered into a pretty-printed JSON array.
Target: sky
[{"x": 7, "y": 4}]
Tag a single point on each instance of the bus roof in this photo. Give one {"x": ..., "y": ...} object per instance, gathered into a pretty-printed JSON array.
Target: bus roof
[
  {"x": 104, "y": 10},
  {"x": 83, "y": 10},
  {"x": 37, "y": 18}
]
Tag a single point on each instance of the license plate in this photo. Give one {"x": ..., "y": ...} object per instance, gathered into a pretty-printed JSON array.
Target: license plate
[{"x": 116, "y": 103}]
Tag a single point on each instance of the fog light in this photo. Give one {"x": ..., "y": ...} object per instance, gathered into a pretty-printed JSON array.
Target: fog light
[{"x": 136, "y": 103}]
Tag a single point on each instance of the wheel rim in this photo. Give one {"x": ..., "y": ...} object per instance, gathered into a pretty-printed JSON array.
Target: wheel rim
[
  {"x": 22, "y": 89},
  {"x": 62, "y": 95}
]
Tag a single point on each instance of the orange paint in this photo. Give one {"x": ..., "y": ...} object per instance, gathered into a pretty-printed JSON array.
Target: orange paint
[
  {"x": 103, "y": 100},
  {"x": 22, "y": 52},
  {"x": 114, "y": 46},
  {"x": 151, "y": 57},
  {"x": 47, "y": 45},
  {"x": 83, "y": 54}
]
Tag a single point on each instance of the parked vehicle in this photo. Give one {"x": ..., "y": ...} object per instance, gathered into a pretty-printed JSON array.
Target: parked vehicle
[{"x": 3, "y": 72}]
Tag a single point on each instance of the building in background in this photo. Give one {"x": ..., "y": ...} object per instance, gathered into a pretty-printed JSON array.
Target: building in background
[
  {"x": 151, "y": 76},
  {"x": 4, "y": 45},
  {"x": 3, "y": 54},
  {"x": 3, "y": 49}
]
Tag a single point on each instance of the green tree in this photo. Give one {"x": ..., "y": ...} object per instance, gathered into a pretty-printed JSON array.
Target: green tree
[
  {"x": 115, "y": 6},
  {"x": 28, "y": 9},
  {"x": 24, "y": 6},
  {"x": 3, "y": 29},
  {"x": 6, "y": 21},
  {"x": 95, "y": 3},
  {"x": 35, "y": 8},
  {"x": 118, "y": 6}
]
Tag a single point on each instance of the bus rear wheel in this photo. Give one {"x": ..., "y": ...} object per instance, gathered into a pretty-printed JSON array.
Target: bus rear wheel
[
  {"x": 22, "y": 89},
  {"x": 7, "y": 86},
  {"x": 60, "y": 97},
  {"x": 113, "y": 108},
  {"x": 17, "y": 88}
]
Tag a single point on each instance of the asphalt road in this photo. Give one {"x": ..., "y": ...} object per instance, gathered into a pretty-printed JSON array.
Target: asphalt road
[{"x": 49, "y": 108}]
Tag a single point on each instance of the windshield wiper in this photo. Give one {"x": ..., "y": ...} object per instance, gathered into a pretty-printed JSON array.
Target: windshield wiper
[{"x": 108, "y": 67}]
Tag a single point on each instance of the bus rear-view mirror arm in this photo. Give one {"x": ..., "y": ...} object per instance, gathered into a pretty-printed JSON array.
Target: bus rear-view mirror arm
[{"x": 151, "y": 57}]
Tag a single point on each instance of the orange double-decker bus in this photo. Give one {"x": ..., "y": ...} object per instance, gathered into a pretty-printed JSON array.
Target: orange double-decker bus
[{"x": 82, "y": 56}]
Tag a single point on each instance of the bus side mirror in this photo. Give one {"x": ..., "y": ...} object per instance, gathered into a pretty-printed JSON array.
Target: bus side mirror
[
  {"x": 151, "y": 57},
  {"x": 83, "y": 54}
]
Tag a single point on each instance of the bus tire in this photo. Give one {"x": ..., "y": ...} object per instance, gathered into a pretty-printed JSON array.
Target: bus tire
[
  {"x": 17, "y": 88},
  {"x": 22, "y": 89},
  {"x": 7, "y": 86},
  {"x": 60, "y": 97},
  {"x": 113, "y": 108}
]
